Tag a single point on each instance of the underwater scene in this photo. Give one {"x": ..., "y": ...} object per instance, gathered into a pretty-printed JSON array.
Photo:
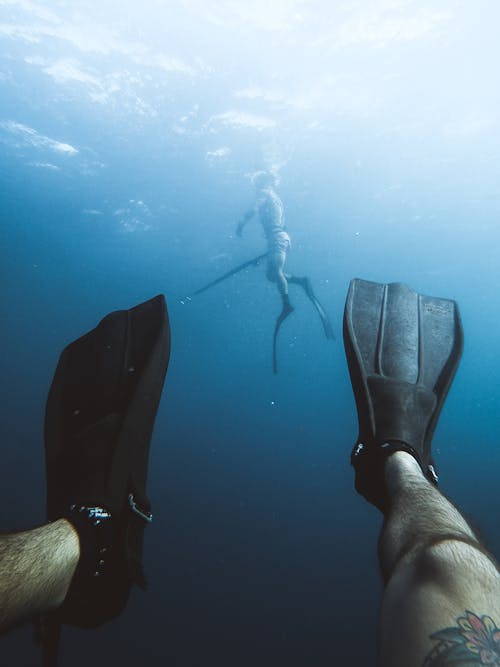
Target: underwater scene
[{"x": 136, "y": 140}]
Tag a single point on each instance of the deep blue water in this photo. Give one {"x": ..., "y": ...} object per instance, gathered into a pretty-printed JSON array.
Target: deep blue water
[{"x": 121, "y": 179}]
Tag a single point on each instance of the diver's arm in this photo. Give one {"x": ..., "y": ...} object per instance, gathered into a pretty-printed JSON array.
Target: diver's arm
[{"x": 246, "y": 218}]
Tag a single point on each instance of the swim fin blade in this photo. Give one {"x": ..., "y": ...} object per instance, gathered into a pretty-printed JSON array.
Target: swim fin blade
[
  {"x": 287, "y": 310},
  {"x": 232, "y": 272},
  {"x": 402, "y": 350},
  {"x": 327, "y": 326},
  {"x": 99, "y": 420}
]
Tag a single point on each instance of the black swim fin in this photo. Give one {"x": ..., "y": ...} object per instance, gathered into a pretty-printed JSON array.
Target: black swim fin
[
  {"x": 99, "y": 419},
  {"x": 305, "y": 283},
  {"x": 241, "y": 267},
  {"x": 287, "y": 310},
  {"x": 402, "y": 350}
]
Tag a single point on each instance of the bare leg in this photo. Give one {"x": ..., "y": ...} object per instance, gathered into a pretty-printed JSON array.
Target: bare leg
[
  {"x": 275, "y": 273},
  {"x": 282, "y": 284},
  {"x": 438, "y": 577},
  {"x": 36, "y": 568}
]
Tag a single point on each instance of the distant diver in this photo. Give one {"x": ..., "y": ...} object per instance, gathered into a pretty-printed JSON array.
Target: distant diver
[
  {"x": 269, "y": 208},
  {"x": 270, "y": 211}
]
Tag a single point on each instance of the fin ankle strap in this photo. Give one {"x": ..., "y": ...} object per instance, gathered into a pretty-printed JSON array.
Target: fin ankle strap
[{"x": 368, "y": 462}]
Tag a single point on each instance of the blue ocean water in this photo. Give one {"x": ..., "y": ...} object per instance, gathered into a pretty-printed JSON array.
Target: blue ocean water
[{"x": 128, "y": 135}]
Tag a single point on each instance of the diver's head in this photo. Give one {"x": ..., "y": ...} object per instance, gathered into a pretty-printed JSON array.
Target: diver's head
[{"x": 264, "y": 179}]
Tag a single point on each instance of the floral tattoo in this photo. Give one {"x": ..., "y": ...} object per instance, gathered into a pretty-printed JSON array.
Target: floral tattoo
[{"x": 476, "y": 641}]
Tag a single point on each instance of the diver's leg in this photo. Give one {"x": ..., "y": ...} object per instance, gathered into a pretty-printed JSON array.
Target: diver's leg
[
  {"x": 442, "y": 598},
  {"x": 36, "y": 569},
  {"x": 440, "y": 583},
  {"x": 275, "y": 273}
]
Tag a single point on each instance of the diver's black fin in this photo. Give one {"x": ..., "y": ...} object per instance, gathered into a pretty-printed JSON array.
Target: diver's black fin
[
  {"x": 98, "y": 424},
  {"x": 49, "y": 634},
  {"x": 402, "y": 350},
  {"x": 287, "y": 310},
  {"x": 305, "y": 283},
  {"x": 251, "y": 262}
]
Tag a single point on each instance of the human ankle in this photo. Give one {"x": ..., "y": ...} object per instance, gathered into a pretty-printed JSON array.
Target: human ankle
[{"x": 400, "y": 469}]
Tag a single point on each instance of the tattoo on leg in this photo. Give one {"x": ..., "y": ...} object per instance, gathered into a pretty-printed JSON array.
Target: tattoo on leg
[{"x": 474, "y": 641}]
